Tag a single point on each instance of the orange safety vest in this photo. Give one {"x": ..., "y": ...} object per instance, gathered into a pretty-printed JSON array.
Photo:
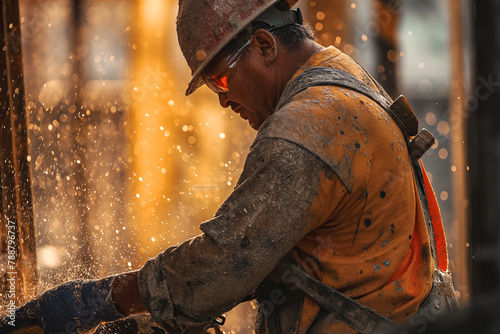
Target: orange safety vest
[{"x": 374, "y": 246}]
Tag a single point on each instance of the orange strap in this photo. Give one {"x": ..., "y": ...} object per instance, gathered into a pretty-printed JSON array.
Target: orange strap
[{"x": 437, "y": 223}]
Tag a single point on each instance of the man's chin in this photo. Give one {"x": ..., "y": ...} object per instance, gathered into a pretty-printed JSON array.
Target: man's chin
[{"x": 254, "y": 125}]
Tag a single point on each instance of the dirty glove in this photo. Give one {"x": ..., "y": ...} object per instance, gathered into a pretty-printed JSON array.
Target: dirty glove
[{"x": 72, "y": 307}]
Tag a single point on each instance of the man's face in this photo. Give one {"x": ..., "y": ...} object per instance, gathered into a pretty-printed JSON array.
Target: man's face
[{"x": 244, "y": 82}]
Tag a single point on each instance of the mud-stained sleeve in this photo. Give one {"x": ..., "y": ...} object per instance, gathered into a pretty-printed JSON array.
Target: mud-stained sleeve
[{"x": 268, "y": 213}]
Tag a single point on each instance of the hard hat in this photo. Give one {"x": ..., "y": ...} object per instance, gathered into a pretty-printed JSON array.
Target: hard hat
[{"x": 204, "y": 27}]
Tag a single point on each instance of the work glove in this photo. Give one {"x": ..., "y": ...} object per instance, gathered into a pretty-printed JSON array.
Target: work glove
[{"x": 72, "y": 307}]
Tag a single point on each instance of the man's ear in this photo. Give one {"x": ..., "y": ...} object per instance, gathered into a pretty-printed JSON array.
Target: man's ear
[{"x": 266, "y": 43}]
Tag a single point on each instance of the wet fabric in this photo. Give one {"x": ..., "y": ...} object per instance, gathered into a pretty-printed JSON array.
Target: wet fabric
[{"x": 329, "y": 181}]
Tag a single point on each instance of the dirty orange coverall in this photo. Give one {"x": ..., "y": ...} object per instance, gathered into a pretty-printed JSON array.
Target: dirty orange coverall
[{"x": 329, "y": 181}]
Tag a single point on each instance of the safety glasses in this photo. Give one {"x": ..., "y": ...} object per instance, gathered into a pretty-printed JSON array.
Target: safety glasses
[{"x": 216, "y": 80}]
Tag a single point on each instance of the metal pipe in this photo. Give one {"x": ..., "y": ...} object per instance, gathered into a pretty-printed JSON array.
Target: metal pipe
[
  {"x": 18, "y": 230},
  {"x": 459, "y": 151}
]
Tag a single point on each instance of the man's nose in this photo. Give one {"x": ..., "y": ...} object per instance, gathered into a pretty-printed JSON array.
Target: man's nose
[{"x": 224, "y": 100}]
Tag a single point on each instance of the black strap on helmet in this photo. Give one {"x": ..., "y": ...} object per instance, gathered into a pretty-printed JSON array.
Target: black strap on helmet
[{"x": 276, "y": 18}]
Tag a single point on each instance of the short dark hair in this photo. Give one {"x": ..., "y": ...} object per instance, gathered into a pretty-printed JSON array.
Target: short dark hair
[{"x": 291, "y": 36}]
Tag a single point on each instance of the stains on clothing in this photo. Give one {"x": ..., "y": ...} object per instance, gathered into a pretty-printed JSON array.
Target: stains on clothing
[{"x": 327, "y": 181}]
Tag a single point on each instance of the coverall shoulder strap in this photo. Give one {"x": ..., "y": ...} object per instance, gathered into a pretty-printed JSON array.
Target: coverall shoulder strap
[
  {"x": 399, "y": 110},
  {"x": 328, "y": 76},
  {"x": 353, "y": 313}
]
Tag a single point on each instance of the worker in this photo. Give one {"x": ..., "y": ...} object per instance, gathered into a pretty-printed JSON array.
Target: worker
[{"x": 332, "y": 200}]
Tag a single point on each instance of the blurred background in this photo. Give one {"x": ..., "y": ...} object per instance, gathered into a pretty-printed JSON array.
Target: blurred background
[{"x": 123, "y": 165}]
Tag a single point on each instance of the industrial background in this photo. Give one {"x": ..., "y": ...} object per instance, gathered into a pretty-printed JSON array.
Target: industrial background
[{"x": 104, "y": 162}]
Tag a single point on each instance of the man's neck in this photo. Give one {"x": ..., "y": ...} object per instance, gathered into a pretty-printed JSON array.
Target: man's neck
[{"x": 290, "y": 62}]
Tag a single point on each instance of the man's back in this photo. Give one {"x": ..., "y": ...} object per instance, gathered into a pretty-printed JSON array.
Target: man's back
[{"x": 371, "y": 242}]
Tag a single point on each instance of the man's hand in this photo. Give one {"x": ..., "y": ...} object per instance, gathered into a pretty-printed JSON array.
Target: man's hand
[{"x": 72, "y": 307}]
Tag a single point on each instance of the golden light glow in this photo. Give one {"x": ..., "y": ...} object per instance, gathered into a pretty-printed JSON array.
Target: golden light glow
[
  {"x": 444, "y": 195},
  {"x": 181, "y": 146},
  {"x": 443, "y": 153},
  {"x": 151, "y": 122},
  {"x": 430, "y": 118},
  {"x": 320, "y": 16}
]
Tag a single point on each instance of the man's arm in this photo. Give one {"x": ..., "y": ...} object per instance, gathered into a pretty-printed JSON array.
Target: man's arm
[{"x": 284, "y": 192}]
